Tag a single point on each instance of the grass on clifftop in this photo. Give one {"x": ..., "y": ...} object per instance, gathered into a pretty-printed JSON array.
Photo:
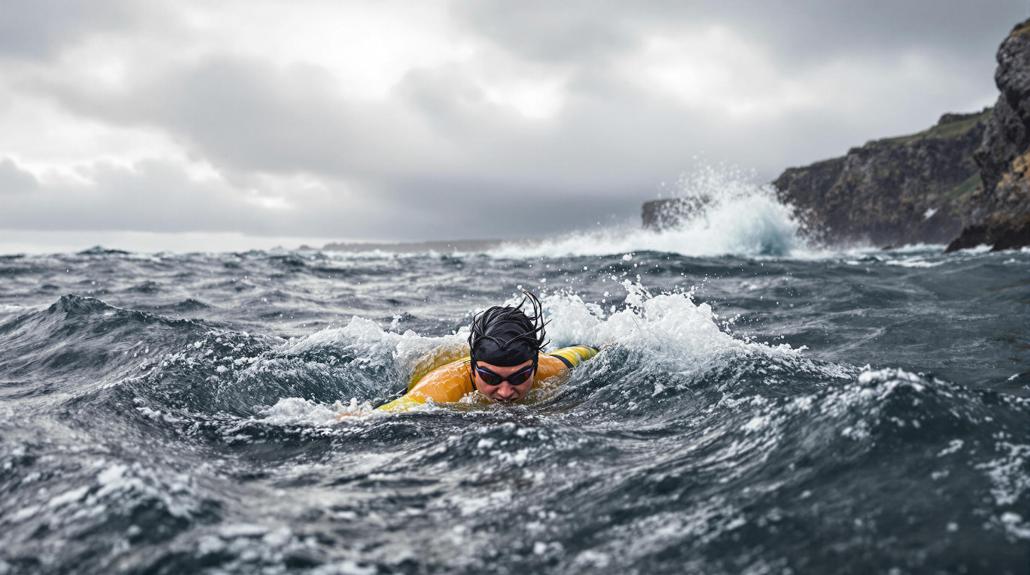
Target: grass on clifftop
[{"x": 944, "y": 131}]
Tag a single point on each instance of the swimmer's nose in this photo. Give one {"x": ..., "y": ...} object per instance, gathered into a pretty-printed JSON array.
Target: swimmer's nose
[{"x": 506, "y": 392}]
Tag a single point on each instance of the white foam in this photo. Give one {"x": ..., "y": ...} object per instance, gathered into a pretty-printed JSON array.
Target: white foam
[
  {"x": 891, "y": 377},
  {"x": 69, "y": 497},
  {"x": 668, "y": 327},
  {"x": 368, "y": 340},
  {"x": 914, "y": 249},
  {"x": 915, "y": 263},
  {"x": 978, "y": 249},
  {"x": 1014, "y": 525},
  {"x": 299, "y": 411},
  {"x": 242, "y": 530},
  {"x": 1008, "y": 481},
  {"x": 738, "y": 217}
]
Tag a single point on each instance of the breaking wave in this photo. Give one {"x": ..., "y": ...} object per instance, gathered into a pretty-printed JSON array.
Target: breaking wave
[{"x": 713, "y": 212}]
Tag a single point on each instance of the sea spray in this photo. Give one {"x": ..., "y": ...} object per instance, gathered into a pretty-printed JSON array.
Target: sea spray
[{"x": 715, "y": 211}]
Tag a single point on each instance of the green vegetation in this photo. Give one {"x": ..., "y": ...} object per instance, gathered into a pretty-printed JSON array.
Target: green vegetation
[
  {"x": 960, "y": 193},
  {"x": 945, "y": 130}
]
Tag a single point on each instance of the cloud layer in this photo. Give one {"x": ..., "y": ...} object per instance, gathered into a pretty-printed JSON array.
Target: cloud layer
[{"x": 442, "y": 120}]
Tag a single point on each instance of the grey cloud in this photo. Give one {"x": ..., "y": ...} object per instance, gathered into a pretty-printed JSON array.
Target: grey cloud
[
  {"x": 571, "y": 31},
  {"x": 158, "y": 196},
  {"x": 248, "y": 116},
  {"x": 150, "y": 196},
  {"x": 15, "y": 180},
  {"x": 947, "y": 28},
  {"x": 40, "y": 28},
  {"x": 441, "y": 157},
  {"x": 502, "y": 207},
  {"x": 440, "y": 160},
  {"x": 581, "y": 31},
  {"x": 244, "y": 114}
]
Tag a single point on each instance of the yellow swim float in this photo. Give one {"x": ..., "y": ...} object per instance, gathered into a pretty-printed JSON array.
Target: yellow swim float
[{"x": 444, "y": 379}]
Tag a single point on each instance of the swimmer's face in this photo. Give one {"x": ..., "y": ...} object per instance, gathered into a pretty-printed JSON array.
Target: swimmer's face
[{"x": 499, "y": 388}]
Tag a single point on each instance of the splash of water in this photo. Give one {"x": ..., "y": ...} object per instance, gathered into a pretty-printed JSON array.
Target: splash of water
[
  {"x": 667, "y": 328},
  {"x": 715, "y": 211}
]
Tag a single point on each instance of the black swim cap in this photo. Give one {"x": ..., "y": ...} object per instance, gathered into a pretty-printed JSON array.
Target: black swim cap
[{"x": 504, "y": 335}]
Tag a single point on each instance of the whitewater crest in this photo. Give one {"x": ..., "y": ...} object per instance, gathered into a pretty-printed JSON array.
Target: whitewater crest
[
  {"x": 718, "y": 211},
  {"x": 666, "y": 328}
]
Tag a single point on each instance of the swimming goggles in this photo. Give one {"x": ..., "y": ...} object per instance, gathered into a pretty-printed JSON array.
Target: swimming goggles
[{"x": 517, "y": 378}]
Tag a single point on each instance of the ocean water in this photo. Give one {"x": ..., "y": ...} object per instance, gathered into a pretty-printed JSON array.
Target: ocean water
[{"x": 758, "y": 407}]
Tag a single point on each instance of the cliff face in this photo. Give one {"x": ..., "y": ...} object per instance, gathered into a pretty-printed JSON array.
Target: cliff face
[
  {"x": 899, "y": 190},
  {"x": 1000, "y": 210},
  {"x": 965, "y": 180}
]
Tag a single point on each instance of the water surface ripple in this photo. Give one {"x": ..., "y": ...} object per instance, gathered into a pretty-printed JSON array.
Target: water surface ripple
[{"x": 851, "y": 413}]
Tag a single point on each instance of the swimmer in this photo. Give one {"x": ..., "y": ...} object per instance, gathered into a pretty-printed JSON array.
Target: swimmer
[{"x": 506, "y": 360}]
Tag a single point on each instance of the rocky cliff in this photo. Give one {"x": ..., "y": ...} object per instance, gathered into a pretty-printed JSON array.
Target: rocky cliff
[
  {"x": 900, "y": 190},
  {"x": 999, "y": 212},
  {"x": 965, "y": 180}
]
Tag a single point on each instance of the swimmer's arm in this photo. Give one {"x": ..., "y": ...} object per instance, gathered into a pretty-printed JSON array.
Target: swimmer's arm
[
  {"x": 574, "y": 355},
  {"x": 405, "y": 402},
  {"x": 446, "y": 384}
]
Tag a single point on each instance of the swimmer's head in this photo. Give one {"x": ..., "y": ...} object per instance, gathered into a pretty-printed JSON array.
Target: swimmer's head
[{"x": 505, "y": 343}]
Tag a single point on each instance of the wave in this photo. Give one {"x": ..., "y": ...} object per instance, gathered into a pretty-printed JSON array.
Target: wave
[
  {"x": 81, "y": 336},
  {"x": 667, "y": 335},
  {"x": 683, "y": 443},
  {"x": 715, "y": 212}
]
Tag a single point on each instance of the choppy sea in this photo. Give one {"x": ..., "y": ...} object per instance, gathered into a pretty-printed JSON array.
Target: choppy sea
[{"x": 758, "y": 407}]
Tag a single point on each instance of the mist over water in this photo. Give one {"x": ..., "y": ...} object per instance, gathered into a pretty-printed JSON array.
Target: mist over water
[{"x": 758, "y": 406}]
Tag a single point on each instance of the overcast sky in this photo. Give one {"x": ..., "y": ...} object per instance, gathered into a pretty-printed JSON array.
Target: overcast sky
[{"x": 436, "y": 120}]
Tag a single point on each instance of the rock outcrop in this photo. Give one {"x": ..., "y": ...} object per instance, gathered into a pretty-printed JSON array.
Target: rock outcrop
[
  {"x": 666, "y": 213},
  {"x": 965, "y": 180},
  {"x": 907, "y": 189},
  {"x": 1000, "y": 208},
  {"x": 901, "y": 190}
]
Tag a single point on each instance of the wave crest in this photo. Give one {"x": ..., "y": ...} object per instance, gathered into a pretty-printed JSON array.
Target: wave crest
[{"x": 715, "y": 212}]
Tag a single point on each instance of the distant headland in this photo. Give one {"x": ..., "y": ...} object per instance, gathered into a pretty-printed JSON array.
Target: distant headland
[{"x": 965, "y": 181}]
